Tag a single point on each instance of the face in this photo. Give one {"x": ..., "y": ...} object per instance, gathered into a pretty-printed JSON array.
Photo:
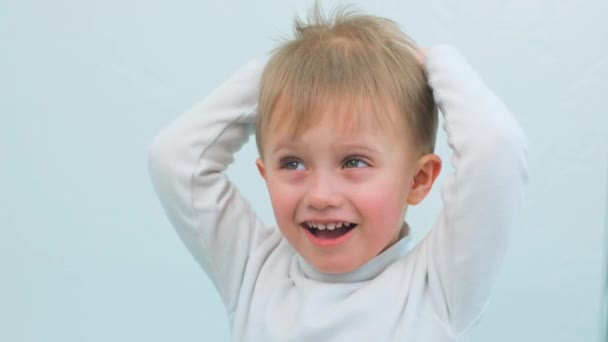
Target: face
[{"x": 339, "y": 195}]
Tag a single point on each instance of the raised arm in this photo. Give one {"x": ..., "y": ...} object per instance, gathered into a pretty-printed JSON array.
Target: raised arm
[
  {"x": 186, "y": 163},
  {"x": 482, "y": 195}
]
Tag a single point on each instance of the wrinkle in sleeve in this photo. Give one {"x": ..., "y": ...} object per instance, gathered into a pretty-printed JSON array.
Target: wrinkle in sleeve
[
  {"x": 187, "y": 161},
  {"x": 480, "y": 197}
]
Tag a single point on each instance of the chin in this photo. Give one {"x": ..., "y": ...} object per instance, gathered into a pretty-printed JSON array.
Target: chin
[{"x": 335, "y": 267}]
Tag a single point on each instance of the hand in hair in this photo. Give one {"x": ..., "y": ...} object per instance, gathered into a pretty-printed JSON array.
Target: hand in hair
[{"x": 420, "y": 54}]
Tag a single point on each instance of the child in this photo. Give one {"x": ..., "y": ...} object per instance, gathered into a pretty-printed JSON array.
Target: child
[{"x": 346, "y": 125}]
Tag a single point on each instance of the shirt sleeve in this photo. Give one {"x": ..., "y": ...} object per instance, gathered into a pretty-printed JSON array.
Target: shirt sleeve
[
  {"x": 480, "y": 196},
  {"x": 186, "y": 163}
]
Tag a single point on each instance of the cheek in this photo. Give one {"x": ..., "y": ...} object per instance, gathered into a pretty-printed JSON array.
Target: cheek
[
  {"x": 382, "y": 204},
  {"x": 382, "y": 201},
  {"x": 283, "y": 201}
]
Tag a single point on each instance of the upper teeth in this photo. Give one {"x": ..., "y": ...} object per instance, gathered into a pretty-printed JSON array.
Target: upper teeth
[{"x": 330, "y": 226}]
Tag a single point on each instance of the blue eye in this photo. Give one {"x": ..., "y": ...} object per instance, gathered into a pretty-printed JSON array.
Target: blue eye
[
  {"x": 291, "y": 164},
  {"x": 355, "y": 162}
]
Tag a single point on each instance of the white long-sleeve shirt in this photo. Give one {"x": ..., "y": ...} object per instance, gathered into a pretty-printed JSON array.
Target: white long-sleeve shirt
[{"x": 434, "y": 291}]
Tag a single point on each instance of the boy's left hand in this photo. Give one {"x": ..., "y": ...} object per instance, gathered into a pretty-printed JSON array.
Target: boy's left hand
[{"x": 420, "y": 54}]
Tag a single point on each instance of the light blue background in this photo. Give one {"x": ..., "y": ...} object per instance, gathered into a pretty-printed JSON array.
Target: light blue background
[{"x": 86, "y": 254}]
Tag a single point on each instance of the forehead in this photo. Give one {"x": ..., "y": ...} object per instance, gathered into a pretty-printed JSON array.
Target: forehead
[{"x": 344, "y": 116}]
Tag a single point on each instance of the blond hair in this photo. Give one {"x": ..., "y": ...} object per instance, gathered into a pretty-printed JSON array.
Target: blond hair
[{"x": 353, "y": 59}]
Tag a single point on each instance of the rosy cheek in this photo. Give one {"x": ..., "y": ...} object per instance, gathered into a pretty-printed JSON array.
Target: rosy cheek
[
  {"x": 374, "y": 201},
  {"x": 384, "y": 199},
  {"x": 283, "y": 198}
]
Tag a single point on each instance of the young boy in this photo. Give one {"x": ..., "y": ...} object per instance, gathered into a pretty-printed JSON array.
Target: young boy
[{"x": 346, "y": 126}]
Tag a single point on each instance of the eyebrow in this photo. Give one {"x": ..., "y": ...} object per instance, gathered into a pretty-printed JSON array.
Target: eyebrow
[
  {"x": 282, "y": 145},
  {"x": 346, "y": 145}
]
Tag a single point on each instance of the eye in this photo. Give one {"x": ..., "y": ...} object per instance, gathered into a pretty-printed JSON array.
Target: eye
[
  {"x": 291, "y": 163},
  {"x": 355, "y": 162}
]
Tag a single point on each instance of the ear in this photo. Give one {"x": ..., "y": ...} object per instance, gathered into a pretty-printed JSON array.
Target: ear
[
  {"x": 260, "y": 164},
  {"x": 429, "y": 167}
]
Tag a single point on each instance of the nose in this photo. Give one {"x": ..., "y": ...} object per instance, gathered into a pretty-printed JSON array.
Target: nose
[{"x": 323, "y": 192}]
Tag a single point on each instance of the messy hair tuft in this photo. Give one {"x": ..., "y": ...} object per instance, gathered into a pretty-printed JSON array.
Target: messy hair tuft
[{"x": 349, "y": 59}]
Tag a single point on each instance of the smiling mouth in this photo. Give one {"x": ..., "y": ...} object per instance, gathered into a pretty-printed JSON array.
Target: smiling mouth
[{"x": 324, "y": 232}]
